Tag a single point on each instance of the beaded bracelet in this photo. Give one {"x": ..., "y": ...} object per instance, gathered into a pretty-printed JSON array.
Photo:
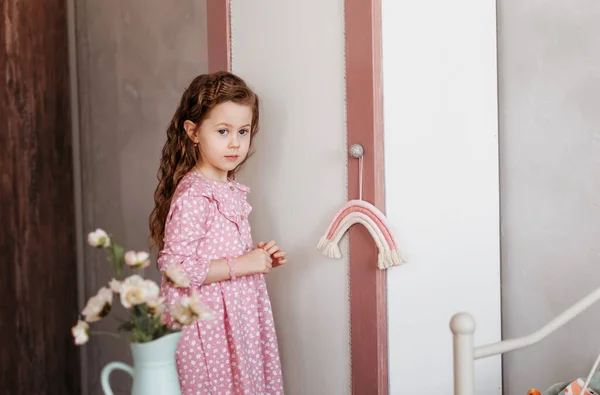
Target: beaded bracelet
[{"x": 231, "y": 268}]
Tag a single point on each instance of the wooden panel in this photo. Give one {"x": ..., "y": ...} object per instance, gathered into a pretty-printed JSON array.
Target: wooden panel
[
  {"x": 364, "y": 96},
  {"x": 219, "y": 37},
  {"x": 38, "y": 275}
]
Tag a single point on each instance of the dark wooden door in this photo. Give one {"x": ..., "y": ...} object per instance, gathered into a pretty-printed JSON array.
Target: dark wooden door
[{"x": 38, "y": 278}]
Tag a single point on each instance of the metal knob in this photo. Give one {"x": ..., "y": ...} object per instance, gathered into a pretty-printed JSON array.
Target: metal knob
[{"x": 356, "y": 151}]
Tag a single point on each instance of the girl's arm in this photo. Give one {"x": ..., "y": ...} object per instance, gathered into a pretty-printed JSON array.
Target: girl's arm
[
  {"x": 185, "y": 228},
  {"x": 254, "y": 262},
  {"x": 218, "y": 271}
]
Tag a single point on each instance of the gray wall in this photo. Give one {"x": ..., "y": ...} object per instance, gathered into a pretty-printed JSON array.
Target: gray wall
[
  {"x": 135, "y": 59},
  {"x": 549, "y": 81}
]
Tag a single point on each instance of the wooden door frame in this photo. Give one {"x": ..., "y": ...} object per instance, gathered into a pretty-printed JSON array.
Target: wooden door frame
[{"x": 364, "y": 101}]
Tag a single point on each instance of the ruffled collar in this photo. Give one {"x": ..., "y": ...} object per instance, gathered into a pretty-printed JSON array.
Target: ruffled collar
[
  {"x": 230, "y": 196},
  {"x": 221, "y": 185}
]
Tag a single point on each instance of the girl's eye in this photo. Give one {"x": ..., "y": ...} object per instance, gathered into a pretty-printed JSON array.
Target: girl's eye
[
  {"x": 223, "y": 132},
  {"x": 244, "y": 132}
]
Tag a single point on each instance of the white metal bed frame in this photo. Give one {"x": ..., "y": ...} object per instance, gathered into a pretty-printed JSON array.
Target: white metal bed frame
[{"x": 462, "y": 326}]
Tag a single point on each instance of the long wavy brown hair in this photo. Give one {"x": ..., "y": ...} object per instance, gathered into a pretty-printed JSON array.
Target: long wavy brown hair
[{"x": 179, "y": 155}]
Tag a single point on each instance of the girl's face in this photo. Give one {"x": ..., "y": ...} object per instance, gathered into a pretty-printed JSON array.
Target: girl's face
[{"x": 223, "y": 139}]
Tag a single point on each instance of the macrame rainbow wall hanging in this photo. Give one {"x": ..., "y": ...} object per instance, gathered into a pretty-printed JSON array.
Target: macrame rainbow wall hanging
[{"x": 358, "y": 211}]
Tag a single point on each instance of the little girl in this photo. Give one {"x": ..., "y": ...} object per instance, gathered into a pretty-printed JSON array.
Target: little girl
[{"x": 200, "y": 221}]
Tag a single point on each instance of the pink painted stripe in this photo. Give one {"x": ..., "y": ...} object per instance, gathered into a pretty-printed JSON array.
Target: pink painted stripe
[
  {"x": 364, "y": 106},
  {"x": 218, "y": 29},
  {"x": 353, "y": 209}
]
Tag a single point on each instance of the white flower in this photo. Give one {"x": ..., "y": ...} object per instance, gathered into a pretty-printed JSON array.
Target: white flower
[
  {"x": 80, "y": 332},
  {"x": 115, "y": 285},
  {"x": 99, "y": 238},
  {"x": 177, "y": 276},
  {"x": 135, "y": 290},
  {"x": 156, "y": 306},
  {"x": 98, "y": 306},
  {"x": 137, "y": 260},
  {"x": 190, "y": 309},
  {"x": 182, "y": 314}
]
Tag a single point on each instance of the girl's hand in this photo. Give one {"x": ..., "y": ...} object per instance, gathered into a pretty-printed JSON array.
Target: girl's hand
[
  {"x": 278, "y": 256},
  {"x": 256, "y": 261}
]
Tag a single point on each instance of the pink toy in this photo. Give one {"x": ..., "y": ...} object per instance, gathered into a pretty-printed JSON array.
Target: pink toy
[
  {"x": 575, "y": 388},
  {"x": 362, "y": 212}
]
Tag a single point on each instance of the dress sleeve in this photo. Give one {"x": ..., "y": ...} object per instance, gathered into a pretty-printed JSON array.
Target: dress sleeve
[{"x": 186, "y": 227}]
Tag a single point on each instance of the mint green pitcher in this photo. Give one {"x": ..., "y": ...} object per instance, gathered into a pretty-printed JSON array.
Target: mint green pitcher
[{"x": 154, "y": 371}]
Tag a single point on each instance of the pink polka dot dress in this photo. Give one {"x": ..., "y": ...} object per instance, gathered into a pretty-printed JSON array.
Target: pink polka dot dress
[{"x": 236, "y": 352}]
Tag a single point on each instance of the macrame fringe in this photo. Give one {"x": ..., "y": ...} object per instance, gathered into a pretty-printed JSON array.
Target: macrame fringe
[
  {"x": 389, "y": 258},
  {"x": 329, "y": 248},
  {"x": 385, "y": 259}
]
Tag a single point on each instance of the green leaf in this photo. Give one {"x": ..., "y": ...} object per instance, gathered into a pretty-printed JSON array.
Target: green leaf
[
  {"x": 110, "y": 256},
  {"x": 115, "y": 254},
  {"x": 119, "y": 253},
  {"x": 138, "y": 336},
  {"x": 161, "y": 330}
]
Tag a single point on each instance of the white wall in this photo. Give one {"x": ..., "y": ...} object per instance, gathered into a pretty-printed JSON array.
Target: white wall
[
  {"x": 292, "y": 53},
  {"x": 442, "y": 193}
]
